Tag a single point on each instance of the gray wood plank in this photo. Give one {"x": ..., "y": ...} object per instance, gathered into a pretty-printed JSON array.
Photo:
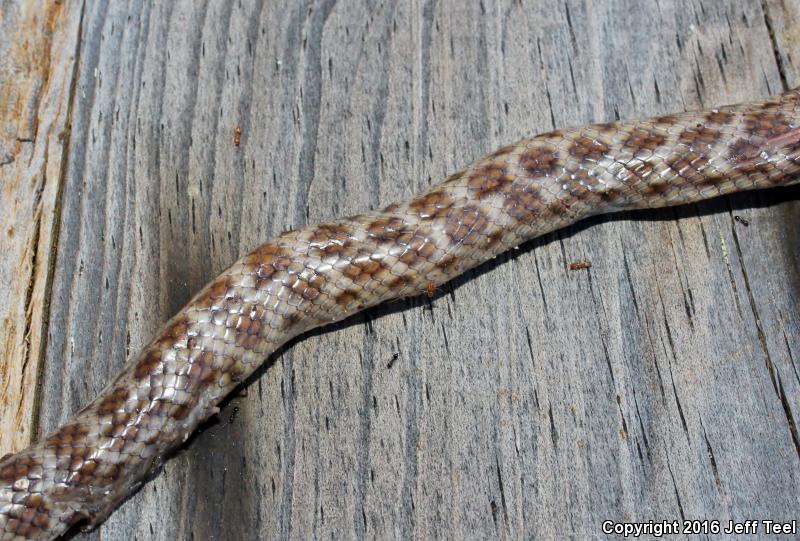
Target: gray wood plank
[
  {"x": 38, "y": 41},
  {"x": 525, "y": 400}
]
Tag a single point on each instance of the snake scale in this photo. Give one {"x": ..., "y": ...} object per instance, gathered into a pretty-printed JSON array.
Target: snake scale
[{"x": 323, "y": 273}]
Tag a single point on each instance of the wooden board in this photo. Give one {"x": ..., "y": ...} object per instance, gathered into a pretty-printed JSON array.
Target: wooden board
[{"x": 525, "y": 400}]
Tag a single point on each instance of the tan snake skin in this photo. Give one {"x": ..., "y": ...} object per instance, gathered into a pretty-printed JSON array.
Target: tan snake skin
[{"x": 323, "y": 273}]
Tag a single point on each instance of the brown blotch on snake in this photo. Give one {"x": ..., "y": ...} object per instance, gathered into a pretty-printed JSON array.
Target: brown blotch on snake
[
  {"x": 540, "y": 159},
  {"x": 113, "y": 401},
  {"x": 766, "y": 124},
  {"x": 387, "y": 228},
  {"x": 666, "y": 120},
  {"x": 215, "y": 292},
  {"x": 250, "y": 326},
  {"x": 644, "y": 139},
  {"x": 311, "y": 288},
  {"x": 361, "y": 270},
  {"x": 743, "y": 153},
  {"x": 586, "y": 148},
  {"x": 263, "y": 253},
  {"x": 699, "y": 136},
  {"x": 491, "y": 179},
  {"x": 524, "y": 205},
  {"x": 331, "y": 237},
  {"x": 447, "y": 264},
  {"x": 466, "y": 225},
  {"x": 201, "y": 369},
  {"x": 434, "y": 204},
  {"x": 147, "y": 364},
  {"x": 720, "y": 118},
  {"x": 291, "y": 320},
  {"x": 397, "y": 281},
  {"x": 347, "y": 296},
  {"x": 419, "y": 249},
  {"x": 67, "y": 434},
  {"x": 687, "y": 165}
]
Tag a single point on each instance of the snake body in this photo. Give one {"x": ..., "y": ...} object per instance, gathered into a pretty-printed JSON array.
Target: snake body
[{"x": 323, "y": 273}]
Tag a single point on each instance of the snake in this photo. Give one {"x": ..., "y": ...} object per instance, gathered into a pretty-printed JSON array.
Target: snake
[{"x": 319, "y": 274}]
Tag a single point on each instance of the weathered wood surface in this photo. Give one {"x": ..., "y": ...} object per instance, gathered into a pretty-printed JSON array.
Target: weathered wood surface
[{"x": 525, "y": 400}]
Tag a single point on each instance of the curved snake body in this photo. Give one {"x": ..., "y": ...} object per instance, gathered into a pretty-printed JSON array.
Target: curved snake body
[{"x": 323, "y": 273}]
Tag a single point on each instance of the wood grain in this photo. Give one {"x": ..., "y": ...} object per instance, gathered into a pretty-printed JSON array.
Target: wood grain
[
  {"x": 37, "y": 51},
  {"x": 524, "y": 400}
]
